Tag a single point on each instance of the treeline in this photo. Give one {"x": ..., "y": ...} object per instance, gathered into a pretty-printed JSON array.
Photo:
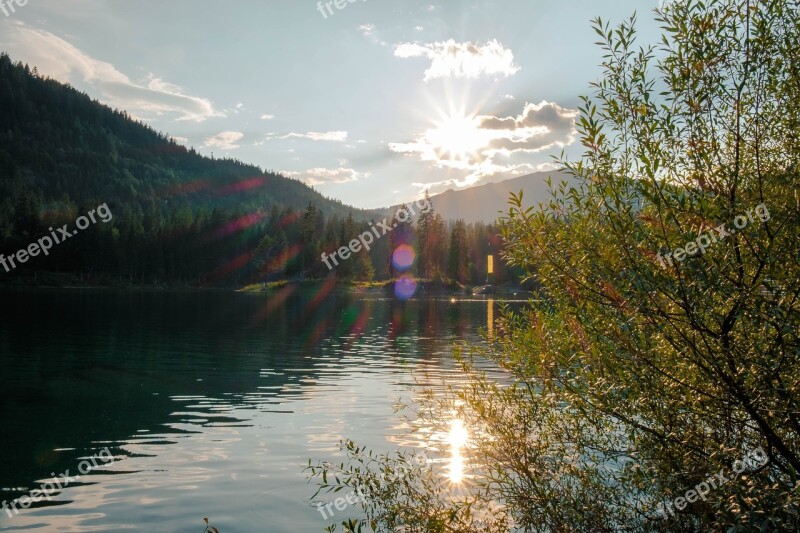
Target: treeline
[
  {"x": 209, "y": 247},
  {"x": 293, "y": 245}
]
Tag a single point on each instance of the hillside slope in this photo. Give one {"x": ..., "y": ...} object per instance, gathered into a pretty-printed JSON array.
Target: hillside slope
[
  {"x": 484, "y": 203},
  {"x": 70, "y": 149}
]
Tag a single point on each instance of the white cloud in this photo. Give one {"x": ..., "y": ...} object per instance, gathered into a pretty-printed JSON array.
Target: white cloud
[
  {"x": 225, "y": 140},
  {"x": 539, "y": 127},
  {"x": 461, "y": 60},
  {"x": 267, "y": 117},
  {"x": 368, "y": 31},
  {"x": 180, "y": 140},
  {"x": 59, "y": 59},
  {"x": 322, "y": 176},
  {"x": 482, "y": 173},
  {"x": 337, "y": 136}
]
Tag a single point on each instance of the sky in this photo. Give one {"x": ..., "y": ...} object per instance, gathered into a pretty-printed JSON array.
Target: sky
[{"x": 373, "y": 103}]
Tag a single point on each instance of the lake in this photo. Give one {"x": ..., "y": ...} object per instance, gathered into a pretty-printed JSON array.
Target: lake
[{"x": 210, "y": 402}]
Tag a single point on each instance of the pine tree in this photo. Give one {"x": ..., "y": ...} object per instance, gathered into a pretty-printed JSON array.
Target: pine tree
[
  {"x": 458, "y": 264},
  {"x": 426, "y": 239},
  {"x": 402, "y": 233}
]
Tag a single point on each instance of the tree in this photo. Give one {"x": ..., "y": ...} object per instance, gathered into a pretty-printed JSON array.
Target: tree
[
  {"x": 26, "y": 221},
  {"x": 313, "y": 225},
  {"x": 364, "y": 269},
  {"x": 437, "y": 247},
  {"x": 426, "y": 241},
  {"x": 271, "y": 256},
  {"x": 653, "y": 385},
  {"x": 402, "y": 233},
  {"x": 458, "y": 262},
  {"x": 431, "y": 242}
]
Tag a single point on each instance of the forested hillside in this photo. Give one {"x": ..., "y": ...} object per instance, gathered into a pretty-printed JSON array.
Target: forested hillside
[{"x": 179, "y": 218}]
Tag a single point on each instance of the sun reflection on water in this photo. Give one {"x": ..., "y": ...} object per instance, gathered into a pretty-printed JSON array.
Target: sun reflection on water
[{"x": 457, "y": 439}]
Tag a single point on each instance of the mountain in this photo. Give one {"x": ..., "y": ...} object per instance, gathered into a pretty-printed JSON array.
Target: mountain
[
  {"x": 70, "y": 149},
  {"x": 484, "y": 203}
]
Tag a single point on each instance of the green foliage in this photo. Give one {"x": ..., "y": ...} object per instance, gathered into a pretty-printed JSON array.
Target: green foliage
[
  {"x": 400, "y": 493},
  {"x": 458, "y": 261},
  {"x": 432, "y": 243}
]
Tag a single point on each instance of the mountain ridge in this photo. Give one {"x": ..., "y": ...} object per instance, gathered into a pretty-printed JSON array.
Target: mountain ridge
[{"x": 485, "y": 203}]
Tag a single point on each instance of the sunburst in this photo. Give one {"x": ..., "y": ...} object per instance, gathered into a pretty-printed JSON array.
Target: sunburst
[{"x": 458, "y": 137}]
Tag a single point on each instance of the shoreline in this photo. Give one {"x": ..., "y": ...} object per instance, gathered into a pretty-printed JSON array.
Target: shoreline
[{"x": 424, "y": 286}]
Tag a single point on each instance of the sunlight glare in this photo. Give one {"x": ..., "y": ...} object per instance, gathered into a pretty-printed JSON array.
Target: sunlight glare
[
  {"x": 457, "y": 438},
  {"x": 458, "y": 137}
]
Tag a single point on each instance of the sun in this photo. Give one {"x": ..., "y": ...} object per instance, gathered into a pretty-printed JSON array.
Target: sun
[{"x": 457, "y": 137}]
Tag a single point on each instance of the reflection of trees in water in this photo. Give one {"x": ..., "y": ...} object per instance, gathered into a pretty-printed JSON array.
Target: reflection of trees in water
[{"x": 101, "y": 366}]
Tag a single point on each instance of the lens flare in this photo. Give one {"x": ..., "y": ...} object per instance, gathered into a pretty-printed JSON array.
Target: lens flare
[
  {"x": 403, "y": 257},
  {"x": 405, "y": 287}
]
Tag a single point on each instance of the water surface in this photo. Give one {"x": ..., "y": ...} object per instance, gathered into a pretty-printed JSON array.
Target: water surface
[{"x": 211, "y": 402}]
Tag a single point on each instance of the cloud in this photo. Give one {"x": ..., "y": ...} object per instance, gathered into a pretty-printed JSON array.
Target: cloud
[
  {"x": 337, "y": 136},
  {"x": 238, "y": 108},
  {"x": 473, "y": 145},
  {"x": 323, "y": 176},
  {"x": 267, "y": 117},
  {"x": 368, "y": 31},
  {"x": 485, "y": 174},
  {"x": 540, "y": 126},
  {"x": 482, "y": 173},
  {"x": 225, "y": 140},
  {"x": 59, "y": 59},
  {"x": 180, "y": 140},
  {"x": 461, "y": 60},
  {"x": 544, "y": 114}
]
